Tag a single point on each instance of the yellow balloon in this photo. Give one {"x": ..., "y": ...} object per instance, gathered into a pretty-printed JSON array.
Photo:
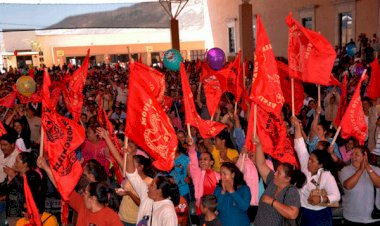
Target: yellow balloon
[{"x": 26, "y": 85}]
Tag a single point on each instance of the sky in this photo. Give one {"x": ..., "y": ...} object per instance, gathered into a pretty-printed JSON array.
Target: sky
[{"x": 37, "y": 14}]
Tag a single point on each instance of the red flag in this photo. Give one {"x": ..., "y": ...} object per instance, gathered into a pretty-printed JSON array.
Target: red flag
[
  {"x": 373, "y": 88},
  {"x": 272, "y": 133},
  {"x": 311, "y": 56},
  {"x": 283, "y": 71},
  {"x": 198, "y": 65},
  {"x": 147, "y": 124},
  {"x": 9, "y": 100},
  {"x": 31, "y": 72},
  {"x": 152, "y": 80},
  {"x": 33, "y": 213},
  {"x": 2, "y": 129},
  {"x": 213, "y": 89},
  {"x": 206, "y": 128},
  {"x": 235, "y": 80},
  {"x": 105, "y": 122},
  {"x": 266, "y": 88},
  {"x": 353, "y": 122},
  {"x": 34, "y": 98},
  {"x": 73, "y": 93},
  {"x": 343, "y": 102},
  {"x": 333, "y": 81},
  {"x": 248, "y": 140},
  {"x": 62, "y": 137}
]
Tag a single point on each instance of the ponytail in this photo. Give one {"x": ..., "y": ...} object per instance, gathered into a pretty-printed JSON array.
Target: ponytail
[
  {"x": 104, "y": 194},
  {"x": 297, "y": 178}
]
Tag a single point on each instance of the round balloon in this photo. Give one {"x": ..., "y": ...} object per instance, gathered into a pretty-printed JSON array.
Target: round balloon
[
  {"x": 26, "y": 85},
  {"x": 351, "y": 50},
  {"x": 172, "y": 59},
  {"x": 359, "y": 70},
  {"x": 216, "y": 58}
]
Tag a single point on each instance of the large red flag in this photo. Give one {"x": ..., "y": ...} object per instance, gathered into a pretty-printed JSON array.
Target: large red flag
[
  {"x": 206, "y": 128},
  {"x": 148, "y": 125},
  {"x": 34, "y": 98},
  {"x": 333, "y": 81},
  {"x": 373, "y": 88},
  {"x": 33, "y": 213},
  {"x": 283, "y": 71},
  {"x": 272, "y": 133},
  {"x": 311, "y": 56},
  {"x": 266, "y": 88},
  {"x": 73, "y": 95},
  {"x": 152, "y": 80},
  {"x": 343, "y": 102},
  {"x": 353, "y": 122},
  {"x": 62, "y": 137},
  {"x": 9, "y": 100}
]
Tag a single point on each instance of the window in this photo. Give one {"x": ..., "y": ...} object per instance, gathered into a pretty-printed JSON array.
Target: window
[
  {"x": 344, "y": 23},
  {"x": 345, "y": 28},
  {"x": 307, "y": 22},
  {"x": 231, "y": 40},
  {"x": 197, "y": 54}
]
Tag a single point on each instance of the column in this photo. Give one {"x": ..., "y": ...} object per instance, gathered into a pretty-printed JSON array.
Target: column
[{"x": 246, "y": 30}]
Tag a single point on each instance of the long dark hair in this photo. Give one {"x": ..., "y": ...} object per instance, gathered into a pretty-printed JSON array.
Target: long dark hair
[
  {"x": 168, "y": 188},
  {"x": 324, "y": 158},
  {"x": 104, "y": 194},
  {"x": 297, "y": 178},
  {"x": 225, "y": 135},
  {"x": 238, "y": 178},
  {"x": 146, "y": 163}
]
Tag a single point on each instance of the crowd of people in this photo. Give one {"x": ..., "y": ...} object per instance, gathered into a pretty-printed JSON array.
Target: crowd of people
[{"x": 214, "y": 181}]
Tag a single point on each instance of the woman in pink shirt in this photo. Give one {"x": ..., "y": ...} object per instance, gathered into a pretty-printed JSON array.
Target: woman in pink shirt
[
  {"x": 95, "y": 148},
  {"x": 204, "y": 177}
]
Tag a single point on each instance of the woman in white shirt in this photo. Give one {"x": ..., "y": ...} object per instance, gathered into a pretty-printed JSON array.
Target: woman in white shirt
[
  {"x": 315, "y": 209},
  {"x": 158, "y": 200}
]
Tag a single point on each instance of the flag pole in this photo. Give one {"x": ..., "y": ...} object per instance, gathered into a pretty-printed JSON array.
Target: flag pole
[
  {"x": 244, "y": 74},
  {"x": 319, "y": 95},
  {"x": 235, "y": 109},
  {"x": 335, "y": 136},
  {"x": 42, "y": 142},
  {"x": 188, "y": 129},
  {"x": 254, "y": 120},
  {"x": 292, "y": 86},
  {"x": 125, "y": 155}
]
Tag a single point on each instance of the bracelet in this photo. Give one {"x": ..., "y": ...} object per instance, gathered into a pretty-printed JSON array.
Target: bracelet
[
  {"x": 321, "y": 199},
  {"x": 272, "y": 202}
]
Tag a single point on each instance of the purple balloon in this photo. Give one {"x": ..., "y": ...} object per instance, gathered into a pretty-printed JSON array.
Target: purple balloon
[
  {"x": 216, "y": 58},
  {"x": 359, "y": 70}
]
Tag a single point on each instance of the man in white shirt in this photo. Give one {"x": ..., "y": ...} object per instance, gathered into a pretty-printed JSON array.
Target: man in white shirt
[{"x": 8, "y": 154}]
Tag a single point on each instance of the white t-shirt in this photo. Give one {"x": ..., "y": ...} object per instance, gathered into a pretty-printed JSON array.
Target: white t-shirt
[{"x": 8, "y": 161}]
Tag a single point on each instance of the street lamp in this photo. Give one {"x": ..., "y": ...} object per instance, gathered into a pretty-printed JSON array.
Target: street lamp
[{"x": 173, "y": 8}]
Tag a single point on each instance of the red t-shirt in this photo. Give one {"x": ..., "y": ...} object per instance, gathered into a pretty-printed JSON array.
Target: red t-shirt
[{"x": 104, "y": 217}]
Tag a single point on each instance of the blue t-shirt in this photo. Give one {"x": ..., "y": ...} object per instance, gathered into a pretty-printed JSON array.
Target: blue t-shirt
[{"x": 179, "y": 173}]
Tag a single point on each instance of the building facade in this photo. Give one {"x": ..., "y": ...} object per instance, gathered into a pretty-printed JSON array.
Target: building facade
[{"x": 204, "y": 24}]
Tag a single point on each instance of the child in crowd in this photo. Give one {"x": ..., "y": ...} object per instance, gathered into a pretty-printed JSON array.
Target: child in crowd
[{"x": 208, "y": 208}]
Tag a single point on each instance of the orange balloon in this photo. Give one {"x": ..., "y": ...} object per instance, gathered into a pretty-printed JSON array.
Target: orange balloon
[{"x": 26, "y": 85}]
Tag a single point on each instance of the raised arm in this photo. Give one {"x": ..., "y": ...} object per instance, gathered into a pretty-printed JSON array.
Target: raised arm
[
  {"x": 314, "y": 124},
  {"x": 261, "y": 165},
  {"x": 111, "y": 147},
  {"x": 41, "y": 163}
]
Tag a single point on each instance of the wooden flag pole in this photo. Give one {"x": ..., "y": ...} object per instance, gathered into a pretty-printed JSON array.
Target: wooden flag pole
[
  {"x": 292, "y": 86},
  {"x": 235, "y": 109},
  {"x": 244, "y": 75},
  {"x": 42, "y": 142},
  {"x": 125, "y": 155},
  {"x": 254, "y": 120},
  {"x": 319, "y": 95},
  {"x": 188, "y": 129},
  {"x": 335, "y": 136}
]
